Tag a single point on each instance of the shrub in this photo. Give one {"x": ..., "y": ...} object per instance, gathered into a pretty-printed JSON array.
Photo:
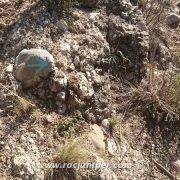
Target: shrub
[
  {"x": 72, "y": 153},
  {"x": 69, "y": 126},
  {"x": 61, "y": 6}
]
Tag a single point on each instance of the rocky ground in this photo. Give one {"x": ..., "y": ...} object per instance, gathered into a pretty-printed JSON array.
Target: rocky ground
[{"x": 106, "y": 75}]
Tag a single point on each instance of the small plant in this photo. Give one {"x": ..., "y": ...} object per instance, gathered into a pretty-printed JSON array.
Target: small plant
[
  {"x": 115, "y": 64},
  {"x": 113, "y": 122},
  {"x": 18, "y": 2},
  {"x": 61, "y": 6},
  {"x": 22, "y": 107},
  {"x": 72, "y": 153},
  {"x": 69, "y": 126}
]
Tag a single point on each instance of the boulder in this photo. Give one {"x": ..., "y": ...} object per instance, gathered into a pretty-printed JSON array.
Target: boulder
[
  {"x": 31, "y": 66},
  {"x": 173, "y": 20},
  {"x": 96, "y": 136}
]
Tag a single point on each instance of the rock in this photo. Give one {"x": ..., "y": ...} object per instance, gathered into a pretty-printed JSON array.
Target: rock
[
  {"x": 96, "y": 136},
  {"x": 9, "y": 68},
  {"x": 80, "y": 85},
  {"x": 90, "y": 116},
  {"x": 173, "y": 20},
  {"x": 105, "y": 124},
  {"x": 178, "y": 4},
  {"x": 32, "y": 65},
  {"x": 58, "y": 82},
  {"x": 130, "y": 42},
  {"x": 61, "y": 107},
  {"x": 25, "y": 159},
  {"x": 48, "y": 118},
  {"x": 107, "y": 174},
  {"x": 61, "y": 96},
  {"x": 111, "y": 146},
  {"x": 176, "y": 165}
]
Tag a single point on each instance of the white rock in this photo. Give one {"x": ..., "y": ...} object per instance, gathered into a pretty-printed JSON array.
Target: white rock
[
  {"x": 9, "y": 68},
  {"x": 96, "y": 136},
  {"x": 111, "y": 146},
  {"x": 105, "y": 124}
]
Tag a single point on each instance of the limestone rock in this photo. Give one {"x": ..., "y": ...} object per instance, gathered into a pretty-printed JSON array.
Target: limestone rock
[
  {"x": 97, "y": 137},
  {"x": 9, "y": 68},
  {"x": 111, "y": 146},
  {"x": 32, "y": 65},
  {"x": 105, "y": 124},
  {"x": 26, "y": 159},
  {"x": 80, "y": 84}
]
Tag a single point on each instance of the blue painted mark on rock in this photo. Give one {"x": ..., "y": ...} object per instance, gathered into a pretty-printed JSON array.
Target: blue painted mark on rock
[{"x": 38, "y": 63}]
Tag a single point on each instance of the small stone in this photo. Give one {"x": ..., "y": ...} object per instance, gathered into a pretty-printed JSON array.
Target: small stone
[
  {"x": 111, "y": 147},
  {"x": 105, "y": 124},
  {"x": 91, "y": 118},
  {"x": 9, "y": 68},
  {"x": 61, "y": 96},
  {"x": 1, "y": 111},
  {"x": 48, "y": 118}
]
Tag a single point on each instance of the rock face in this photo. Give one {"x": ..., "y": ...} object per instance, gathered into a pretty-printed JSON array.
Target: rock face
[
  {"x": 33, "y": 65},
  {"x": 128, "y": 39},
  {"x": 173, "y": 20},
  {"x": 26, "y": 159}
]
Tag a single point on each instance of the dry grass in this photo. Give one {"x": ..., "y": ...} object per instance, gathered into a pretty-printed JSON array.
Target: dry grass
[
  {"x": 72, "y": 152},
  {"x": 154, "y": 98},
  {"x": 154, "y": 12}
]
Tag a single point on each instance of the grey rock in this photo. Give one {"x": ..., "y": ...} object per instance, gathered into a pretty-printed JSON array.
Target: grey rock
[
  {"x": 48, "y": 118},
  {"x": 26, "y": 159},
  {"x": 173, "y": 20},
  {"x": 81, "y": 85},
  {"x": 32, "y": 65},
  {"x": 61, "y": 96},
  {"x": 59, "y": 82}
]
